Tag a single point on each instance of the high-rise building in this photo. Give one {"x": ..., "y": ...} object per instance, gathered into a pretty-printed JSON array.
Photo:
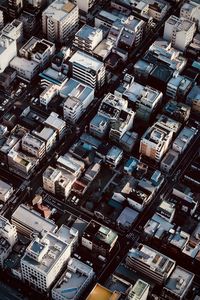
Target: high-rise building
[
  {"x": 179, "y": 31},
  {"x": 15, "y": 8},
  {"x": 60, "y": 21},
  {"x": 191, "y": 10},
  {"x": 85, "y": 5}
]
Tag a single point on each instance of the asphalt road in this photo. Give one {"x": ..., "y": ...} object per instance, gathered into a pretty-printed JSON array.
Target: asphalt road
[{"x": 8, "y": 293}]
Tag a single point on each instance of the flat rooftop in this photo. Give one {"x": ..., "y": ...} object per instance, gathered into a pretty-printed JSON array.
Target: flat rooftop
[
  {"x": 100, "y": 292},
  {"x": 86, "y": 60}
]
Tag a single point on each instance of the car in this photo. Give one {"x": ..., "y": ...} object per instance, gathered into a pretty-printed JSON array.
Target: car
[{"x": 76, "y": 201}]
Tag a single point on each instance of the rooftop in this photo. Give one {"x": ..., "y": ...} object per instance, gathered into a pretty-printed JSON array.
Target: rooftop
[
  {"x": 59, "y": 9},
  {"x": 86, "y": 60},
  {"x": 100, "y": 292}
]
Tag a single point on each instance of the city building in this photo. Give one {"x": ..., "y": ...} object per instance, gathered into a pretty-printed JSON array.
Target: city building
[
  {"x": 44, "y": 259},
  {"x": 37, "y": 3},
  {"x": 184, "y": 139},
  {"x": 78, "y": 96},
  {"x": 169, "y": 161},
  {"x": 71, "y": 165},
  {"x": 178, "y": 87},
  {"x": 193, "y": 99},
  {"x": 177, "y": 111},
  {"x": 178, "y": 284},
  {"x": 103, "y": 293},
  {"x": 114, "y": 156},
  {"x": 7, "y": 77},
  {"x": 38, "y": 50},
  {"x": 179, "y": 31},
  {"x": 33, "y": 145},
  {"x": 87, "y": 38},
  {"x": 191, "y": 10},
  {"x": 85, "y": 5},
  {"x": 139, "y": 291},
  {"x": 50, "y": 177},
  {"x": 87, "y": 69},
  {"x": 60, "y": 21},
  {"x": 1, "y": 19},
  {"x": 8, "y": 238},
  {"x": 6, "y": 191},
  {"x": 99, "y": 239},
  {"x": 150, "y": 262},
  {"x": 26, "y": 69},
  {"x": 30, "y": 223},
  {"x": 77, "y": 275},
  {"x": 14, "y": 30},
  {"x": 48, "y": 94},
  {"x": 156, "y": 140},
  {"x": 48, "y": 135},
  {"x": 15, "y": 8},
  {"x": 8, "y": 50},
  {"x": 53, "y": 121}
]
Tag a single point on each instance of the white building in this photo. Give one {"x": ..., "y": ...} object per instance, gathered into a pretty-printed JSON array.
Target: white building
[
  {"x": 48, "y": 135},
  {"x": 85, "y": 5},
  {"x": 14, "y": 30},
  {"x": 191, "y": 10},
  {"x": 77, "y": 275},
  {"x": 8, "y": 237},
  {"x": 78, "y": 97},
  {"x": 38, "y": 50},
  {"x": 70, "y": 164},
  {"x": 179, "y": 31},
  {"x": 6, "y": 191},
  {"x": 53, "y": 121},
  {"x": 156, "y": 140},
  {"x": 178, "y": 86},
  {"x": 37, "y": 3},
  {"x": 60, "y": 20},
  {"x": 50, "y": 177},
  {"x": 8, "y": 50},
  {"x": 87, "y": 38},
  {"x": 178, "y": 284},
  {"x": 47, "y": 95},
  {"x": 147, "y": 261},
  {"x": 87, "y": 69},
  {"x": 33, "y": 145},
  {"x": 43, "y": 260},
  {"x": 25, "y": 68}
]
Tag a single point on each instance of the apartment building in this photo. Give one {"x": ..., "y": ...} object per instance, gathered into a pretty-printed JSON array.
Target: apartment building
[
  {"x": 150, "y": 262},
  {"x": 191, "y": 11},
  {"x": 33, "y": 145},
  {"x": 179, "y": 31},
  {"x": 8, "y": 50},
  {"x": 87, "y": 38},
  {"x": 87, "y": 69},
  {"x": 184, "y": 139},
  {"x": 178, "y": 87},
  {"x": 53, "y": 121},
  {"x": 60, "y": 21},
  {"x": 78, "y": 96},
  {"x": 15, "y": 8},
  {"x": 1, "y": 19},
  {"x": 139, "y": 291},
  {"x": 14, "y": 30},
  {"x": 26, "y": 69},
  {"x": 85, "y": 5},
  {"x": 48, "y": 135}
]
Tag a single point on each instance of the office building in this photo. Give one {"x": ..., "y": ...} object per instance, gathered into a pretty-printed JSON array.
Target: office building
[
  {"x": 77, "y": 275},
  {"x": 193, "y": 99},
  {"x": 50, "y": 177},
  {"x": 87, "y": 69},
  {"x": 150, "y": 262},
  {"x": 178, "y": 284},
  {"x": 6, "y": 191},
  {"x": 178, "y": 87},
  {"x": 191, "y": 10},
  {"x": 48, "y": 135},
  {"x": 30, "y": 223},
  {"x": 179, "y": 31},
  {"x": 78, "y": 96},
  {"x": 14, "y": 30},
  {"x": 8, "y": 50},
  {"x": 60, "y": 21},
  {"x": 43, "y": 260},
  {"x": 15, "y": 8},
  {"x": 87, "y": 38},
  {"x": 99, "y": 239},
  {"x": 48, "y": 94},
  {"x": 26, "y": 69}
]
